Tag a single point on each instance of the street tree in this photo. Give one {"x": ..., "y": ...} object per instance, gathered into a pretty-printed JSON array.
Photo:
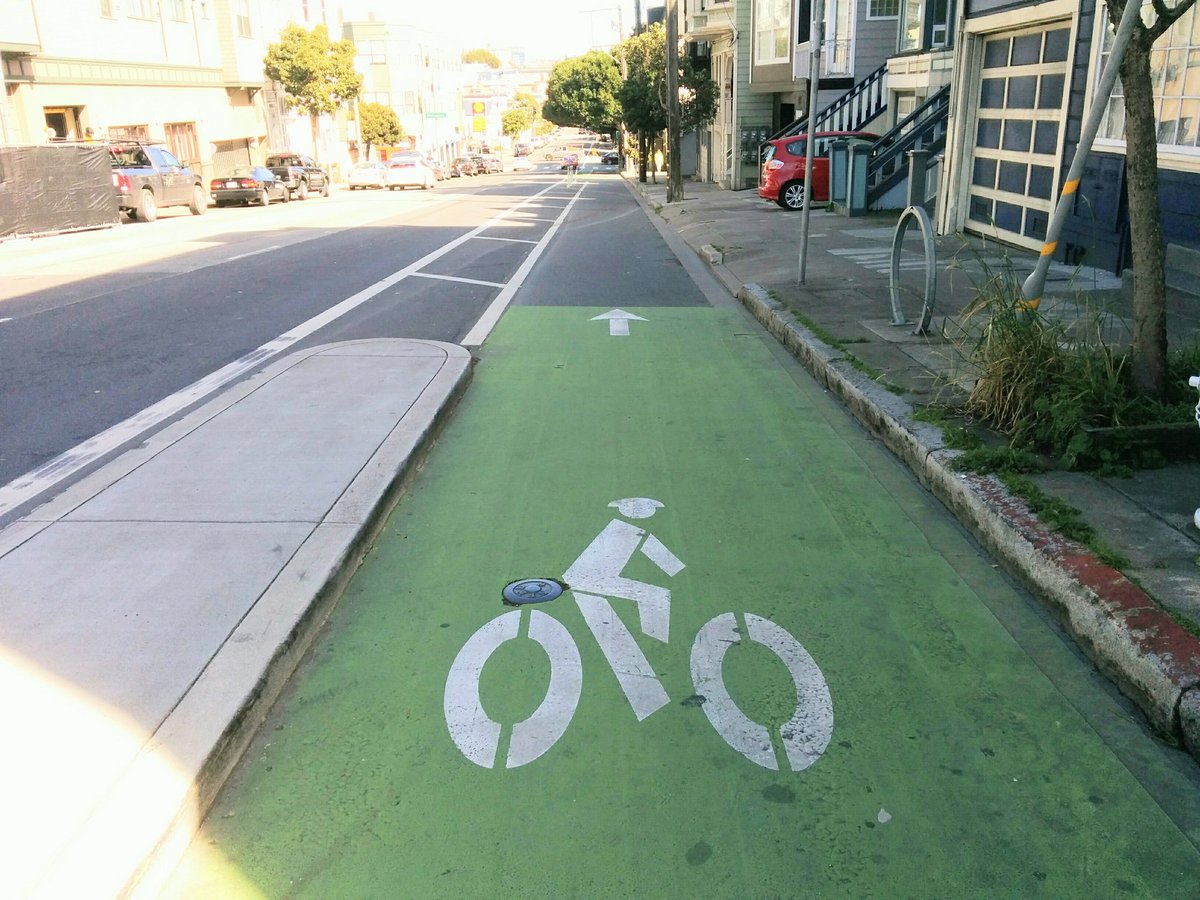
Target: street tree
[
  {"x": 482, "y": 56},
  {"x": 582, "y": 92},
  {"x": 1141, "y": 178},
  {"x": 529, "y": 102},
  {"x": 643, "y": 94},
  {"x": 317, "y": 74},
  {"x": 515, "y": 121},
  {"x": 378, "y": 125}
]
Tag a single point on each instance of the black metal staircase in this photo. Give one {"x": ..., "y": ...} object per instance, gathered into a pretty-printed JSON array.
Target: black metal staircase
[
  {"x": 849, "y": 112},
  {"x": 923, "y": 129}
]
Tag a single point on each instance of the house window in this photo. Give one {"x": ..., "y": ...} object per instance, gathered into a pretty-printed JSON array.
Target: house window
[
  {"x": 106, "y": 9},
  {"x": 372, "y": 51},
  {"x": 181, "y": 138},
  {"x": 243, "y": 18},
  {"x": 179, "y": 10},
  {"x": 910, "y": 24},
  {"x": 141, "y": 9},
  {"x": 883, "y": 9},
  {"x": 772, "y": 31},
  {"x": 1175, "y": 76}
]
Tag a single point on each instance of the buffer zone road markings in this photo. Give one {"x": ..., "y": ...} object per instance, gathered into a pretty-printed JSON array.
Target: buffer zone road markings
[
  {"x": 595, "y": 578},
  {"x": 69, "y": 463}
]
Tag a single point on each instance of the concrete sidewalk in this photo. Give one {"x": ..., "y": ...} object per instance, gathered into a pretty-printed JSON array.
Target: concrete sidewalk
[
  {"x": 154, "y": 610},
  {"x": 1122, "y": 620}
]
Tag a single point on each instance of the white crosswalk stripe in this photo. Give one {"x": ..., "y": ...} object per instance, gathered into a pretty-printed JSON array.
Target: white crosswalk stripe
[{"x": 878, "y": 260}]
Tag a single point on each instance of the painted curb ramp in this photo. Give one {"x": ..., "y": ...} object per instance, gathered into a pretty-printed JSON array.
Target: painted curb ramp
[{"x": 155, "y": 609}]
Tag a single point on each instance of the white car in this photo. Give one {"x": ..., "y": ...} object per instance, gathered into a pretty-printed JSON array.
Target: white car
[
  {"x": 522, "y": 164},
  {"x": 367, "y": 175},
  {"x": 409, "y": 171}
]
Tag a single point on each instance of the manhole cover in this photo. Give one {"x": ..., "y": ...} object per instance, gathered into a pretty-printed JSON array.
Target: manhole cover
[{"x": 532, "y": 590}]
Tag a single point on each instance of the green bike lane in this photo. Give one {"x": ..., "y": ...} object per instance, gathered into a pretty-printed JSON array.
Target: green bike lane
[{"x": 962, "y": 749}]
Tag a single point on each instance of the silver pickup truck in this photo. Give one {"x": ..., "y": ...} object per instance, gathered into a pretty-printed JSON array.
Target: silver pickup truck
[{"x": 147, "y": 177}]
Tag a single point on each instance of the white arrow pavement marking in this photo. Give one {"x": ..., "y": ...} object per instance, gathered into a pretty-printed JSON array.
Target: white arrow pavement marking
[{"x": 618, "y": 321}]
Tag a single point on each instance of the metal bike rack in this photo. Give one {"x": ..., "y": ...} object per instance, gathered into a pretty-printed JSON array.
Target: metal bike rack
[{"x": 922, "y": 219}]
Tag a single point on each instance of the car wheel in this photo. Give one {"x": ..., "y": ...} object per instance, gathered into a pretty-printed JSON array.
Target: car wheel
[
  {"x": 286, "y": 195},
  {"x": 147, "y": 208},
  {"x": 302, "y": 190},
  {"x": 264, "y": 197},
  {"x": 791, "y": 195},
  {"x": 325, "y": 188},
  {"x": 199, "y": 204}
]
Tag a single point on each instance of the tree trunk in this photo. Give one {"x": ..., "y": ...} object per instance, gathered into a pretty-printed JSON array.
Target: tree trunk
[
  {"x": 1149, "y": 256},
  {"x": 316, "y": 151},
  {"x": 643, "y": 149}
]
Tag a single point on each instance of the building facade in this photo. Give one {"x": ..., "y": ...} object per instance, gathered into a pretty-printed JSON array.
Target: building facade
[{"x": 188, "y": 73}]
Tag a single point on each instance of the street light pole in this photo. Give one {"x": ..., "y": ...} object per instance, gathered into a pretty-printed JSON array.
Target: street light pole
[
  {"x": 816, "y": 38},
  {"x": 674, "y": 161}
]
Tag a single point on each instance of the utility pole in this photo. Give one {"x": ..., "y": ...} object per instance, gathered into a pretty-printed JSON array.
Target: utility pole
[
  {"x": 814, "y": 83},
  {"x": 674, "y": 156}
]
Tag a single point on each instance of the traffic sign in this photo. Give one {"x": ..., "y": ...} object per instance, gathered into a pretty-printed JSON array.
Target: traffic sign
[{"x": 435, "y": 115}]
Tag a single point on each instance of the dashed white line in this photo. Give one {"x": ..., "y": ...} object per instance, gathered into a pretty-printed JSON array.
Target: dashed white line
[
  {"x": 486, "y": 237},
  {"x": 253, "y": 252}
]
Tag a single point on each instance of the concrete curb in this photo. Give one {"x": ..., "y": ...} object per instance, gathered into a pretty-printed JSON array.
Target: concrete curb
[
  {"x": 257, "y": 660},
  {"x": 1134, "y": 642}
]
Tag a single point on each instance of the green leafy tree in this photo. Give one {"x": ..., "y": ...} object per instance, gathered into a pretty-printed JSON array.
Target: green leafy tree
[
  {"x": 643, "y": 93},
  {"x": 480, "y": 55},
  {"x": 1141, "y": 174},
  {"x": 582, "y": 92},
  {"x": 378, "y": 124},
  {"x": 529, "y": 102},
  {"x": 515, "y": 121},
  {"x": 317, "y": 74}
]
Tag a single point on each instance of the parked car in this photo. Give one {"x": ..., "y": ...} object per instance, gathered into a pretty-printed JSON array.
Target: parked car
[
  {"x": 407, "y": 171},
  {"x": 248, "y": 184},
  {"x": 481, "y": 167},
  {"x": 301, "y": 173},
  {"x": 493, "y": 164},
  {"x": 522, "y": 164},
  {"x": 440, "y": 172},
  {"x": 464, "y": 166},
  {"x": 610, "y": 158},
  {"x": 782, "y": 176},
  {"x": 147, "y": 177},
  {"x": 365, "y": 175}
]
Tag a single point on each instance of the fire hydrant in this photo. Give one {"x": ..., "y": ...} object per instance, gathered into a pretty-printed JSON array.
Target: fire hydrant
[{"x": 1194, "y": 381}]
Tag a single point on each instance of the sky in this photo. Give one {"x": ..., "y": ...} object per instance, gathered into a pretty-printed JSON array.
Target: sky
[{"x": 546, "y": 29}]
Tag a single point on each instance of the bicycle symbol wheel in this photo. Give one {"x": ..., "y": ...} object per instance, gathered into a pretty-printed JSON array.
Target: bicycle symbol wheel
[{"x": 805, "y": 736}]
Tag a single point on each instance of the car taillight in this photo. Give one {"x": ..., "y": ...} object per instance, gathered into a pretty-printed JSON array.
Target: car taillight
[
  {"x": 248, "y": 183},
  {"x": 215, "y": 184},
  {"x": 773, "y": 164},
  {"x": 121, "y": 182}
]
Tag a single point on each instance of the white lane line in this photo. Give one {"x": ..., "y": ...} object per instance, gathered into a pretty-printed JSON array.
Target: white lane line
[
  {"x": 254, "y": 252},
  {"x": 495, "y": 284},
  {"x": 9, "y": 319},
  {"x": 46, "y": 476},
  {"x": 476, "y": 336},
  {"x": 484, "y": 237},
  {"x": 525, "y": 219}
]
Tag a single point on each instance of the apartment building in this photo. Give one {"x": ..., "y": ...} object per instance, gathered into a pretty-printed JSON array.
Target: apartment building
[
  {"x": 419, "y": 73},
  {"x": 186, "y": 72}
]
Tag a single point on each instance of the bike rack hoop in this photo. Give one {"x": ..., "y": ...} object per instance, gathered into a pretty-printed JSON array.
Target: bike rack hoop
[{"x": 923, "y": 221}]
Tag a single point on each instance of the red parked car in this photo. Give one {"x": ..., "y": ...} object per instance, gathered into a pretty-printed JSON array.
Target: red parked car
[{"x": 782, "y": 177}]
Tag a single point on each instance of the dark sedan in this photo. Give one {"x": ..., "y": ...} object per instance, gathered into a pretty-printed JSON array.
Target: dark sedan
[{"x": 248, "y": 184}]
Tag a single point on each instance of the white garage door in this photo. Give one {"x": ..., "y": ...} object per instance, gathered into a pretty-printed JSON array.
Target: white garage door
[{"x": 1020, "y": 115}]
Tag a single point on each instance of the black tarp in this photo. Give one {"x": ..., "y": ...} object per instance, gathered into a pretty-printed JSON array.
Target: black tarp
[{"x": 55, "y": 187}]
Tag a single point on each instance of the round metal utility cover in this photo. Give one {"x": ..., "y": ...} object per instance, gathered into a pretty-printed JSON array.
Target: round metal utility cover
[{"x": 532, "y": 590}]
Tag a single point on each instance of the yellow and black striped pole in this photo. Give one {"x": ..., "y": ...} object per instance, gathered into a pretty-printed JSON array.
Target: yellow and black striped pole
[{"x": 1031, "y": 290}]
